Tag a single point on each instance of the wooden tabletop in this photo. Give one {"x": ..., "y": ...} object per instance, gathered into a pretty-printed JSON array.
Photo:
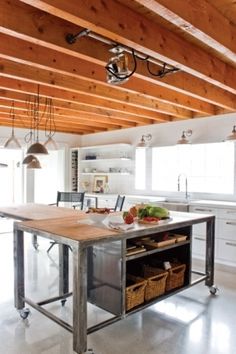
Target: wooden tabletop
[
  {"x": 32, "y": 211},
  {"x": 79, "y": 227}
]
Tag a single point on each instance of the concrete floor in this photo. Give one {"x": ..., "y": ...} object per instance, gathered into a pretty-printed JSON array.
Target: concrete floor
[{"x": 191, "y": 322}]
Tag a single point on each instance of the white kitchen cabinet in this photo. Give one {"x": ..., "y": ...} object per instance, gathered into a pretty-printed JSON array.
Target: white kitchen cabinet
[
  {"x": 225, "y": 233},
  {"x": 199, "y": 230},
  {"x": 226, "y": 236}
]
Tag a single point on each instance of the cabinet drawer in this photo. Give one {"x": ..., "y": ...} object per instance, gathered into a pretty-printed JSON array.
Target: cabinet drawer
[
  {"x": 203, "y": 210},
  {"x": 227, "y": 250},
  {"x": 227, "y": 229},
  {"x": 199, "y": 246},
  {"x": 227, "y": 214}
]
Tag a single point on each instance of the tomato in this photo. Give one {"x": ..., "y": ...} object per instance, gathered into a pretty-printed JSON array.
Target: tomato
[{"x": 128, "y": 218}]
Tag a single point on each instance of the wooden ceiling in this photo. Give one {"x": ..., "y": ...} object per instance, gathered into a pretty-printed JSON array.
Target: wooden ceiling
[{"x": 197, "y": 37}]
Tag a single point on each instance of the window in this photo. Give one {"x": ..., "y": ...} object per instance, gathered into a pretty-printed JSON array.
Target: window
[
  {"x": 140, "y": 168},
  {"x": 208, "y": 167}
]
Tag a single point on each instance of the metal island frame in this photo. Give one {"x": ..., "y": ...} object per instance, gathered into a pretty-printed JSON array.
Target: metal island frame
[{"x": 100, "y": 264}]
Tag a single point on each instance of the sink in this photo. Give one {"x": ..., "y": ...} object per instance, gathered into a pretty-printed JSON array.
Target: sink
[
  {"x": 176, "y": 205},
  {"x": 177, "y": 200}
]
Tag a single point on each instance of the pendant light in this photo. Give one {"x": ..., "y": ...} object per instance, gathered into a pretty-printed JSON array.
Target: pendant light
[
  {"x": 50, "y": 126},
  {"x": 12, "y": 142},
  {"x": 34, "y": 164},
  {"x": 36, "y": 148}
]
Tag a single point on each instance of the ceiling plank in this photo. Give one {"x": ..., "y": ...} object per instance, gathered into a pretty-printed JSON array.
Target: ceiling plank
[
  {"x": 74, "y": 115},
  {"x": 201, "y": 20},
  {"x": 47, "y": 30},
  {"x": 53, "y": 79},
  {"x": 28, "y": 53},
  {"x": 136, "y": 31}
]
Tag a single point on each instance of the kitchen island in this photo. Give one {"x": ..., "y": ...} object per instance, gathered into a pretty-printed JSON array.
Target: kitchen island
[{"x": 101, "y": 264}]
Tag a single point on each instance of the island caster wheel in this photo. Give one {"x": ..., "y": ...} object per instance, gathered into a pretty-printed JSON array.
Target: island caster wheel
[
  {"x": 213, "y": 290},
  {"x": 24, "y": 313}
]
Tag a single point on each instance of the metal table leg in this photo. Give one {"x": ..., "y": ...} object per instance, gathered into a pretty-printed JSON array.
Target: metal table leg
[
  {"x": 19, "y": 277},
  {"x": 210, "y": 252},
  {"x": 63, "y": 269},
  {"x": 35, "y": 242},
  {"x": 79, "y": 299}
]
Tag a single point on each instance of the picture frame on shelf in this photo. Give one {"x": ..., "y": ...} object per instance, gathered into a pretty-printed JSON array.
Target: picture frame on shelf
[{"x": 99, "y": 183}]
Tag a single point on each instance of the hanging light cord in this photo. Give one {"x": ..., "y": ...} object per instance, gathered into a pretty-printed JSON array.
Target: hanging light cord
[{"x": 50, "y": 125}]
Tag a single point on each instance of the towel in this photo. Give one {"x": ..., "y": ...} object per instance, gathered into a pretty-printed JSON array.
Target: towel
[{"x": 120, "y": 226}]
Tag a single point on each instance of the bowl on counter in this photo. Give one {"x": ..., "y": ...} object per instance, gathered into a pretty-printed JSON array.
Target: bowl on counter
[{"x": 98, "y": 215}]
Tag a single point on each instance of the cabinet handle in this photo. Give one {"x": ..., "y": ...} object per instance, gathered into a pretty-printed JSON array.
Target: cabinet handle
[
  {"x": 199, "y": 209},
  {"x": 231, "y": 212},
  {"x": 230, "y": 244},
  {"x": 199, "y": 238},
  {"x": 230, "y": 223}
]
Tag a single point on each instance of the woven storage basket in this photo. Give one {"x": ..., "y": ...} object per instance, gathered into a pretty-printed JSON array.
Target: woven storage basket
[
  {"x": 175, "y": 277},
  {"x": 135, "y": 293},
  {"x": 155, "y": 286}
]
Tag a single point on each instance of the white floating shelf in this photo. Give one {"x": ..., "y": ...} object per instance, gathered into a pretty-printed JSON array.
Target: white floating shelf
[
  {"x": 106, "y": 173},
  {"x": 109, "y": 159}
]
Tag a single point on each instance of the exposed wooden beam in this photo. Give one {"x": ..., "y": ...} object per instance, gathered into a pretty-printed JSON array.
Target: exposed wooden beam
[
  {"x": 200, "y": 19},
  {"x": 47, "y": 30},
  {"x": 53, "y": 79},
  {"x": 121, "y": 24}
]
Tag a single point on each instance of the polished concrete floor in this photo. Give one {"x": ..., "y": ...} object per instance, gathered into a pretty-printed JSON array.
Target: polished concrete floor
[{"x": 192, "y": 322}]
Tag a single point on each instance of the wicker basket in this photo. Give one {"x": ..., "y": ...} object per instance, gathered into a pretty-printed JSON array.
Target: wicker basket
[
  {"x": 135, "y": 292},
  {"x": 155, "y": 286},
  {"x": 175, "y": 277}
]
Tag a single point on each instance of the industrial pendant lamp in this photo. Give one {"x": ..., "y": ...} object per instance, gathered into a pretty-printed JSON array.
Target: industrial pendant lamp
[
  {"x": 50, "y": 126},
  {"x": 184, "y": 137},
  {"x": 28, "y": 159},
  {"x": 12, "y": 142},
  {"x": 34, "y": 164},
  {"x": 36, "y": 148}
]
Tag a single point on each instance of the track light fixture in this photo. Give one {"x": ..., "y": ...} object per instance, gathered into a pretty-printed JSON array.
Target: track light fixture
[{"x": 117, "y": 67}]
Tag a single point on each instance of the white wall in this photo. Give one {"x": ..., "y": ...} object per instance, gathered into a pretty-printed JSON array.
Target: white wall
[{"x": 212, "y": 129}]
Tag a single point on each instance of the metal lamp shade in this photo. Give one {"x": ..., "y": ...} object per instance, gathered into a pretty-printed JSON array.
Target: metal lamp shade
[
  {"x": 12, "y": 143},
  {"x": 28, "y": 159},
  {"x": 37, "y": 149},
  {"x": 34, "y": 164},
  {"x": 50, "y": 144}
]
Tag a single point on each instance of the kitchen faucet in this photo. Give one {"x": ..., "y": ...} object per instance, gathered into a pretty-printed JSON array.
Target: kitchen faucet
[{"x": 186, "y": 184}]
